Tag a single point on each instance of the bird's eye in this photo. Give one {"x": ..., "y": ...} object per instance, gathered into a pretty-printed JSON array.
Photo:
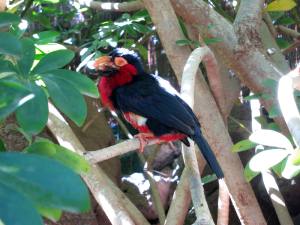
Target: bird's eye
[{"x": 120, "y": 61}]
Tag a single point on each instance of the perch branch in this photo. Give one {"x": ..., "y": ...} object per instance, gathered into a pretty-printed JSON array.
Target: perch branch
[
  {"x": 115, "y": 204},
  {"x": 116, "y": 7},
  {"x": 115, "y": 150}
]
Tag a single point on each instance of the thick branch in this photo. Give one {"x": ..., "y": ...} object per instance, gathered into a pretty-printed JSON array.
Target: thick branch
[
  {"x": 247, "y": 23},
  {"x": 115, "y": 204},
  {"x": 252, "y": 67},
  {"x": 116, "y": 7}
]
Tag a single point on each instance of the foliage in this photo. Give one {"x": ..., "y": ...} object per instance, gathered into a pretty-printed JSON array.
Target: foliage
[{"x": 43, "y": 179}]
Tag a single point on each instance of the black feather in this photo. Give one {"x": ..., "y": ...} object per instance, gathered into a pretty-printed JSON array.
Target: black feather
[{"x": 149, "y": 96}]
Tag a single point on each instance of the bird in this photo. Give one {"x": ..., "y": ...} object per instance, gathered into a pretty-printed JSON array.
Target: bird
[{"x": 149, "y": 103}]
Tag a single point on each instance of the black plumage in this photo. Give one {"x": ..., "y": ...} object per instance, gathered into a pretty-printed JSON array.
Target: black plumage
[{"x": 153, "y": 98}]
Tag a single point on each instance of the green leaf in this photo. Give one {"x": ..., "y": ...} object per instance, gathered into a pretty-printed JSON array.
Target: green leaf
[
  {"x": 210, "y": 41},
  {"x": 281, "y": 5},
  {"x": 266, "y": 159},
  {"x": 2, "y": 146},
  {"x": 66, "y": 98},
  {"x": 141, "y": 28},
  {"x": 286, "y": 20},
  {"x": 7, "y": 19},
  {"x": 50, "y": 213},
  {"x": 208, "y": 179},
  {"x": 82, "y": 83},
  {"x": 270, "y": 138},
  {"x": 27, "y": 58},
  {"x": 33, "y": 115},
  {"x": 50, "y": 47},
  {"x": 46, "y": 182},
  {"x": 251, "y": 97},
  {"x": 10, "y": 45},
  {"x": 290, "y": 170},
  {"x": 13, "y": 95},
  {"x": 249, "y": 174},
  {"x": 16, "y": 209},
  {"x": 243, "y": 146},
  {"x": 270, "y": 83},
  {"x": 70, "y": 159},
  {"x": 183, "y": 27},
  {"x": 46, "y": 37},
  {"x": 183, "y": 42},
  {"x": 53, "y": 60},
  {"x": 296, "y": 157},
  {"x": 282, "y": 43},
  {"x": 274, "y": 112}
]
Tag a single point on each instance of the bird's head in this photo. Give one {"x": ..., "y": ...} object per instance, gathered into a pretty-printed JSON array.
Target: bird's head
[{"x": 118, "y": 59}]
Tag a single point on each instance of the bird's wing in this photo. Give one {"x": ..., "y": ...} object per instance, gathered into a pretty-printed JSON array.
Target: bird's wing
[{"x": 147, "y": 98}]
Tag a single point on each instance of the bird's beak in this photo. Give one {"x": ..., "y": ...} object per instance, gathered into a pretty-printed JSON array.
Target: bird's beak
[{"x": 105, "y": 66}]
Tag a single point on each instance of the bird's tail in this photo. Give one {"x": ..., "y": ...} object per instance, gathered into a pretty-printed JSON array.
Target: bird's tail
[{"x": 208, "y": 154}]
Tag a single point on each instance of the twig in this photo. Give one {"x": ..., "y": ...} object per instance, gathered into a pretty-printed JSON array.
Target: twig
[
  {"x": 287, "y": 31},
  {"x": 116, "y": 7},
  {"x": 268, "y": 20},
  {"x": 115, "y": 204}
]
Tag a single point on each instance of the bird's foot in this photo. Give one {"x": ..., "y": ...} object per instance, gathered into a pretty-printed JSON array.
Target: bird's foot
[{"x": 143, "y": 138}]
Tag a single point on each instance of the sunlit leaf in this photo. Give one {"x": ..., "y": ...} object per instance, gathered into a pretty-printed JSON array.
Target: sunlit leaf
[
  {"x": 243, "y": 146},
  {"x": 50, "y": 213},
  {"x": 281, "y": 5},
  {"x": 290, "y": 170},
  {"x": 61, "y": 154},
  {"x": 251, "y": 97},
  {"x": 85, "y": 85},
  {"x": 16, "y": 209},
  {"x": 249, "y": 174},
  {"x": 10, "y": 44},
  {"x": 50, "y": 47},
  {"x": 46, "y": 37},
  {"x": 8, "y": 19},
  {"x": 296, "y": 157},
  {"x": 13, "y": 95},
  {"x": 53, "y": 60},
  {"x": 270, "y": 138},
  {"x": 266, "y": 159}
]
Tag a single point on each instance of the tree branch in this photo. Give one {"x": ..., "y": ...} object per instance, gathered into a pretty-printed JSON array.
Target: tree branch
[
  {"x": 115, "y": 204},
  {"x": 116, "y": 7},
  {"x": 189, "y": 155},
  {"x": 287, "y": 31},
  {"x": 247, "y": 23},
  {"x": 115, "y": 150}
]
